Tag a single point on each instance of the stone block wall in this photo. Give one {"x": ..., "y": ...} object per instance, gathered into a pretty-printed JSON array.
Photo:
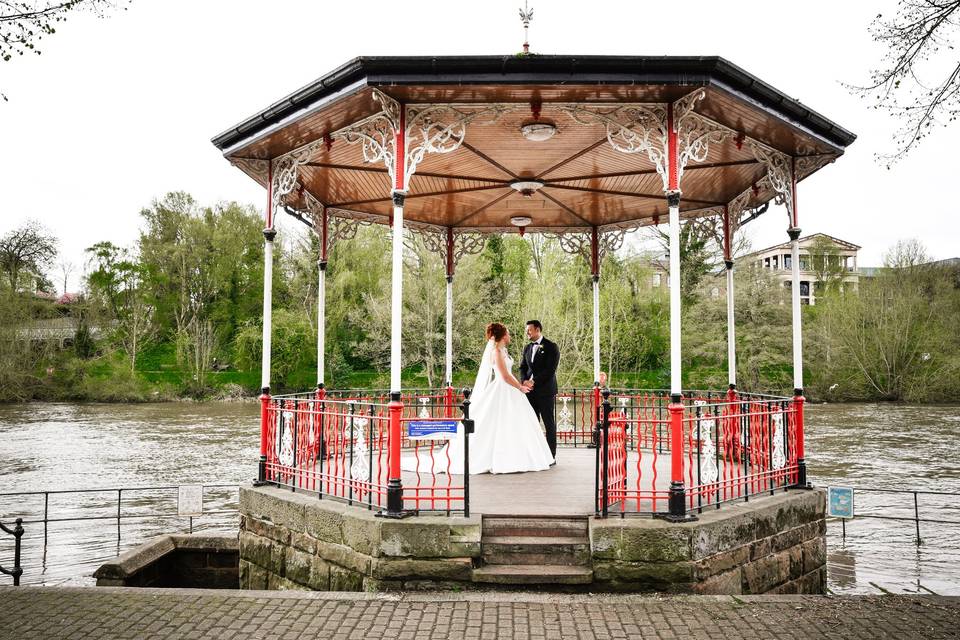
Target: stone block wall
[
  {"x": 768, "y": 545},
  {"x": 297, "y": 541}
]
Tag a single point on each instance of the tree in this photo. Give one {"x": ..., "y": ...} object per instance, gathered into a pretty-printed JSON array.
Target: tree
[
  {"x": 918, "y": 80},
  {"x": 700, "y": 253},
  {"x": 117, "y": 285},
  {"x": 66, "y": 267},
  {"x": 826, "y": 264},
  {"x": 27, "y": 249}
]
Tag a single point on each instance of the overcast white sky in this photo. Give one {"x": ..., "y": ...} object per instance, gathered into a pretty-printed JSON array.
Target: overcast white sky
[{"x": 119, "y": 111}]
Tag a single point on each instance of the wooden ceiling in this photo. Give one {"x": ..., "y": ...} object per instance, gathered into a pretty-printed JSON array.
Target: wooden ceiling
[{"x": 586, "y": 181}]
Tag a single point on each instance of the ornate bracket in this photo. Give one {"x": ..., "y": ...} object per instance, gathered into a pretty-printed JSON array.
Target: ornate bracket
[
  {"x": 464, "y": 243},
  {"x": 255, "y": 167},
  {"x": 431, "y": 128},
  {"x": 805, "y": 165},
  {"x": 747, "y": 200},
  {"x": 694, "y": 132},
  {"x": 631, "y": 128},
  {"x": 642, "y": 128},
  {"x": 610, "y": 241},
  {"x": 576, "y": 243},
  {"x": 779, "y": 172},
  {"x": 441, "y": 128},
  {"x": 376, "y": 133}
]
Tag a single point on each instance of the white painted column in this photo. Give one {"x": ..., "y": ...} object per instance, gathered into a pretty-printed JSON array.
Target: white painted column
[
  {"x": 795, "y": 302},
  {"x": 396, "y": 293},
  {"x": 731, "y": 329},
  {"x": 449, "y": 331},
  {"x": 268, "y": 236},
  {"x": 321, "y": 321},
  {"x": 676, "y": 383},
  {"x": 596, "y": 327}
]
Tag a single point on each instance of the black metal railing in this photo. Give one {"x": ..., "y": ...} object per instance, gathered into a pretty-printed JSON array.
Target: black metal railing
[
  {"x": 916, "y": 518},
  {"x": 82, "y": 513},
  {"x": 17, "y": 532}
]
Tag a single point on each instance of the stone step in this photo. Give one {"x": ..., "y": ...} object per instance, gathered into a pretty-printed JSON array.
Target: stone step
[
  {"x": 536, "y": 550},
  {"x": 534, "y": 526},
  {"x": 532, "y": 574}
]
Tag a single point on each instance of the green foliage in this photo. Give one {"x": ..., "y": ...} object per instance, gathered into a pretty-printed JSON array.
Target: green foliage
[{"x": 179, "y": 314}]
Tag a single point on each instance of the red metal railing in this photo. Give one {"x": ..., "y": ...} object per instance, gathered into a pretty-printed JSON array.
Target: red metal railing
[
  {"x": 703, "y": 451},
  {"x": 653, "y": 456},
  {"x": 348, "y": 445}
]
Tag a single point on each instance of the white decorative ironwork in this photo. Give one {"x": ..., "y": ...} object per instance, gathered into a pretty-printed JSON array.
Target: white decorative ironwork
[
  {"x": 631, "y": 128},
  {"x": 695, "y": 133},
  {"x": 285, "y": 174},
  {"x": 429, "y": 128},
  {"x": 284, "y": 440},
  {"x": 466, "y": 244},
  {"x": 805, "y": 165},
  {"x": 779, "y": 172},
  {"x": 574, "y": 243},
  {"x": 339, "y": 228},
  {"x": 565, "y": 416},
  {"x": 779, "y": 458},
  {"x": 708, "y": 450},
  {"x": 360, "y": 469},
  {"x": 610, "y": 241},
  {"x": 441, "y": 128},
  {"x": 376, "y": 133},
  {"x": 253, "y": 167},
  {"x": 424, "y": 409},
  {"x": 435, "y": 242}
]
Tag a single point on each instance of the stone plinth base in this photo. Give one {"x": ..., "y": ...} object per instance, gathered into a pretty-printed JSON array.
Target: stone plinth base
[
  {"x": 772, "y": 544},
  {"x": 295, "y": 541}
]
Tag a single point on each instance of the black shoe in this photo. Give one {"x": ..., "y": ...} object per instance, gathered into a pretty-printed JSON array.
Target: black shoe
[{"x": 554, "y": 463}]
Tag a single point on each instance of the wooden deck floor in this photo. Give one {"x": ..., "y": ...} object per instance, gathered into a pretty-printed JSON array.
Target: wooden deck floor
[{"x": 563, "y": 490}]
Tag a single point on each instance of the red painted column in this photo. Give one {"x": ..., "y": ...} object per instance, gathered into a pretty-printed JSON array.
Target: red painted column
[
  {"x": 799, "y": 401},
  {"x": 394, "y": 487},
  {"x": 264, "y": 435}
]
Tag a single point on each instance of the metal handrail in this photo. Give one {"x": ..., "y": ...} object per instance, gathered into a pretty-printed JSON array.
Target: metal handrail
[
  {"x": 119, "y": 516},
  {"x": 916, "y": 519},
  {"x": 17, "y": 533}
]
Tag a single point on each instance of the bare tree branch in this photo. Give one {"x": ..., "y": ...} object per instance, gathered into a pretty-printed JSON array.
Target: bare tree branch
[{"x": 919, "y": 42}]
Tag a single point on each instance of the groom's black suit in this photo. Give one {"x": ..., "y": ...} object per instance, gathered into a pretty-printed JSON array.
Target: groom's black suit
[{"x": 542, "y": 367}]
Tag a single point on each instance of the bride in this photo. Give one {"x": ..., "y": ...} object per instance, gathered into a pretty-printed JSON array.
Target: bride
[{"x": 507, "y": 436}]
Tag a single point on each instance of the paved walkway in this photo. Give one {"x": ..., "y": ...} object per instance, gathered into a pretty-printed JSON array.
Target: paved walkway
[{"x": 70, "y": 613}]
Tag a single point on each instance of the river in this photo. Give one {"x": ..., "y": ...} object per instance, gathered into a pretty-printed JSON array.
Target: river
[{"x": 80, "y": 446}]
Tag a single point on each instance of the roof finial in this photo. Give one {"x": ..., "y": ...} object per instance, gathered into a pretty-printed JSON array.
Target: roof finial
[{"x": 526, "y": 15}]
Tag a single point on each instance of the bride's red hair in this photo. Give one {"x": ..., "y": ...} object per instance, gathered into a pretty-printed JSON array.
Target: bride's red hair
[{"x": 496, "y": 331}]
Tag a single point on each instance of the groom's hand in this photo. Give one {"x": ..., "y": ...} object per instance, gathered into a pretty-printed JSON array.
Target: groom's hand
[{"x": 528, "y": 384}]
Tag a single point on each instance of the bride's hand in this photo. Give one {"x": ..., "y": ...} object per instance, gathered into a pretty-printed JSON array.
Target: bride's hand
[{"x": 524, "y": 388}]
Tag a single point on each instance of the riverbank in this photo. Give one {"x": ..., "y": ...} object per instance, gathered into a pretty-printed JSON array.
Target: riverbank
[{"x": 36, "y": 612}]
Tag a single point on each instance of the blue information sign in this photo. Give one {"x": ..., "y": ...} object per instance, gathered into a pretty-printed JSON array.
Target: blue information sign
[
  {"x": 432, "y": 429},
  {"x": 840, "y": 502}
]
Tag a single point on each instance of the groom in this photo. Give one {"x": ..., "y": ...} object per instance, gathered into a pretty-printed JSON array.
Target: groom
[{"x": 538, "y": 373}]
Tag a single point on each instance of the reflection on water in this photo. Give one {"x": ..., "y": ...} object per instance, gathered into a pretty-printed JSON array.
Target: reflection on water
[{"x": 73, "y": 446}]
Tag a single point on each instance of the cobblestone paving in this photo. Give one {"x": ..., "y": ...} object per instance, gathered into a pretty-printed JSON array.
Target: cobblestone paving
[{"x": 69, "y": 613}]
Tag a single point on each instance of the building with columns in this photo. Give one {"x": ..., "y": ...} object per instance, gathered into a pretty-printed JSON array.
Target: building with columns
[{"x": 842, "y": 264}]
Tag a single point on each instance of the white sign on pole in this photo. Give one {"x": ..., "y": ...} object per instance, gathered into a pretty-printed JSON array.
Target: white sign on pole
[{"x": 190, "y": 500}]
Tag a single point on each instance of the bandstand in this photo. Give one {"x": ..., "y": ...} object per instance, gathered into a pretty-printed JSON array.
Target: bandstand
[{"x": 583, "y": 149}]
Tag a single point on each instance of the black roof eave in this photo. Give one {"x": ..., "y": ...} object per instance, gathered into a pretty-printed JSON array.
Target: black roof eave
[{"x": 465, "y": 70}]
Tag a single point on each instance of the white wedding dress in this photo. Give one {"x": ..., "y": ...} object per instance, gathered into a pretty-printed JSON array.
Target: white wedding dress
[{"x": 507, "y": 437}]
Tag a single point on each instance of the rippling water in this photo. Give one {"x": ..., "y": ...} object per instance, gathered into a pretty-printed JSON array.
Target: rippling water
[{"x": 80, "y": 446}]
